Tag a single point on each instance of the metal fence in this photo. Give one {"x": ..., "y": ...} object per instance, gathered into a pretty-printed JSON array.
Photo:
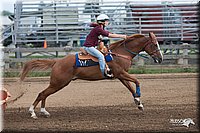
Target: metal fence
[
  {"x": 15, "y": 57},
  {"x": 67, "y": 23}
]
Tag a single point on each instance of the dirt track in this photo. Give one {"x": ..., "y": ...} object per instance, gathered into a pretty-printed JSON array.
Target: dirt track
[{"x": 107, "y": 105}]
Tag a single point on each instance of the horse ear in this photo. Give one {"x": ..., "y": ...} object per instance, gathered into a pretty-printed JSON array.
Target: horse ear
[{"x": 152, "y": 36}]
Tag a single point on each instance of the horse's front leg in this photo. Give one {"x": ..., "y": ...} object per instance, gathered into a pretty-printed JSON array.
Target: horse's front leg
[
  {"x": 124, "y": 77},
  {"x": 135, "y": 93}
]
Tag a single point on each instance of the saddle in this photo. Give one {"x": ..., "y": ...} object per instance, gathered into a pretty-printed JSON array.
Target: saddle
[
  {"x": 83, "y": 59},
  {"x": 83, "y": 55}
]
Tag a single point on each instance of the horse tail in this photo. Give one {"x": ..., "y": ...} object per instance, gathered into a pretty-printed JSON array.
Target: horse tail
[{"x": 36, "y": 64}]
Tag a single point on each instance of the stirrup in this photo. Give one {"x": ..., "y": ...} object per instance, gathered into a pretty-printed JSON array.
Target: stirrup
[{"x": 108, "y": 73}]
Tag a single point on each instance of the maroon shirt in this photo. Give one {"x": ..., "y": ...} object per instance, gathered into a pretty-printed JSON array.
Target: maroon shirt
[{"x": 92, "y": 37}]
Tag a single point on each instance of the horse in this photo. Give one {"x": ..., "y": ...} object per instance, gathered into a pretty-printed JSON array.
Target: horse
[{"x": 63, "y": 70}]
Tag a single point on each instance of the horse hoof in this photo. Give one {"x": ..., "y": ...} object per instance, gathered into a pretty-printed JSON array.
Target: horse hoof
[
  {"x": 137, "y": 100},
  {"x": 45, "y": 114},
  {"x": 34, "y": 116},
  {"x": 141, "y": 107},
  {"x": 139, "y": 104}
]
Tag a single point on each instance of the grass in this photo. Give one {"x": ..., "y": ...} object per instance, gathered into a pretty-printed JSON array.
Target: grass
[
  {"x": 136, "y": 70},
  {"x": 143, "y": 70},
  {"x": 31, "y": 74}
]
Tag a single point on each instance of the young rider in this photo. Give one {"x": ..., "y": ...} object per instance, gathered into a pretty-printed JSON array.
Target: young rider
[{"x": 92, "y": 40}]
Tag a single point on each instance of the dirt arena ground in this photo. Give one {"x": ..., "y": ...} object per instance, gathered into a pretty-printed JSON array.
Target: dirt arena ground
[{"x": 107, "y": 105}]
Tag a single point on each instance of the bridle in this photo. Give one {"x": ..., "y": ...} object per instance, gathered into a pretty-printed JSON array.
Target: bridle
[
  {"x": 134, "y": 53},
  {"x": 154, "y": 51},
  {"x": 146, "y": 44},
  {"x": 137, "y": 54}
]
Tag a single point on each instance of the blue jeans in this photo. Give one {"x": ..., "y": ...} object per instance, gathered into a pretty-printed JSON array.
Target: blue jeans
[{"x": 93, "y": 51}]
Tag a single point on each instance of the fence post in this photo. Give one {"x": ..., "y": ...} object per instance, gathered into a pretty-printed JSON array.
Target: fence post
[
  {"x": 181, "y": 28},
  {"x": 140, "y": 61},
  {"x": 183, "y": 60},
  {"x": 6, "y": 57},
  {"x": 140, "y": 25}
]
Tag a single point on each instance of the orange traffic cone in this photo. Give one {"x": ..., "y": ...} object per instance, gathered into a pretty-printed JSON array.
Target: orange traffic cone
[{"x": 45, "y": 43}]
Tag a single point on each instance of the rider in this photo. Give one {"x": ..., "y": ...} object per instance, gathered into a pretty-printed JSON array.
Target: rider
[{"x": 93, "y": 38}]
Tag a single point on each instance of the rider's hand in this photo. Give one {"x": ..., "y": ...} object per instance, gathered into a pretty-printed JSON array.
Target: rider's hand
[{"x": 125, "y": 36}]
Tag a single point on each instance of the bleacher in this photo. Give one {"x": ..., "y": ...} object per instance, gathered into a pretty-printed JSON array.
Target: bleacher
[{"x": 67, "y": 23}]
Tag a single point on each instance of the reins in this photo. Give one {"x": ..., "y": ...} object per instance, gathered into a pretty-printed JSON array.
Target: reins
[
  {"x": 134, "y": 53},
  {"x": 154, "y": 51},
  {"x": 123, "y": 56},
  {"x": 128, "y": 50}
]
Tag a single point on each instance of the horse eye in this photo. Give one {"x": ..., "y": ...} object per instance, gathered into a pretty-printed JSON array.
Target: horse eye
[{"x": 153, "y": 45}]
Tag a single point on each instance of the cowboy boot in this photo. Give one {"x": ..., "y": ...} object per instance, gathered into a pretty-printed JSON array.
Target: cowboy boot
[{"x": 108, "y": 72}]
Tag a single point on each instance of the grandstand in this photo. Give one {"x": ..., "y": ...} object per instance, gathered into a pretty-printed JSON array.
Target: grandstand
[{"x": 66, "y": 23}]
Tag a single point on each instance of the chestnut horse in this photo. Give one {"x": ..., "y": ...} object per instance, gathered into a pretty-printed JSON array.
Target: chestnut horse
[{"x": 64, "y": 70}]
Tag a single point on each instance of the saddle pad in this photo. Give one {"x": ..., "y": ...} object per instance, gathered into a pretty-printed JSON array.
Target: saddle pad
[{"x": 90, "y": 62}]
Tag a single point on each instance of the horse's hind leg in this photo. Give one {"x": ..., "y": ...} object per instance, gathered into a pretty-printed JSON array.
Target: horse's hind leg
[
  {"x": 61, "y": 75},
  {"x": 43, "y": 110},
  {"x": 42, "y": 97}
]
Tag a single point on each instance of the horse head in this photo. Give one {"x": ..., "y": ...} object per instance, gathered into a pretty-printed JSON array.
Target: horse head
[
  {"x": 153, "y": 49},
  {"x": 136, "y": 43}
]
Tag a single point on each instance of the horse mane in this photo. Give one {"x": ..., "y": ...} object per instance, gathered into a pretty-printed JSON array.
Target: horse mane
[{"x": 118, "y": 43}]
